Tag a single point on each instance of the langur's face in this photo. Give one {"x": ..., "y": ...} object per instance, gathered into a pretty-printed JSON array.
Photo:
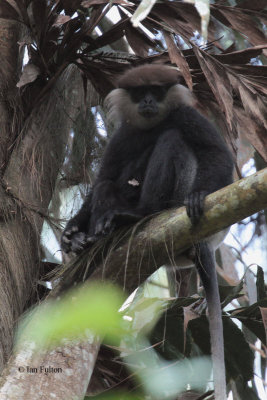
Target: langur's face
[
  {"x": 145, "y": 106},
  {"x": 142, "y": 106},
  {"x": 148, "y": 99}
]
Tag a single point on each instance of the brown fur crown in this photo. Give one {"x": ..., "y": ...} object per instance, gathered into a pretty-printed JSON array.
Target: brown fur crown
[{"x": 149, "y": 74}]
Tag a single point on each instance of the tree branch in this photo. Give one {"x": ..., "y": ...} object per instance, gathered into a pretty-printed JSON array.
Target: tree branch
[{"x": 150, "y": 244}]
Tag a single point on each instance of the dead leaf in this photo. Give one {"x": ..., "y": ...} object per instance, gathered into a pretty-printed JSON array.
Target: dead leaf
[
  {"x": 13, "y": 4},
  {"x": 7, "y": 10},
  {"x": 29, "y": 74},
  {"x": 189, "y": 315},
  {"x": 71, "y": 6},
  {"x": 251, "y": 5},
  {"x": 240, "y": 56},
  {"x": 112, "y": 35},
  {"x": 254, "y": 104},
  {"x": 39, "y": 16},
  {"x": 176, "y": 57},
  {"x": 62, "y": 19},
  {"x": 255, "y": 133},
  {"x": 218, "y": 81},
  {"x": 90, "y": 3},
  {"x": 165, "y": 15},
  {"x": 138, "y": 40},
  {"x": 238, "y": 20}
]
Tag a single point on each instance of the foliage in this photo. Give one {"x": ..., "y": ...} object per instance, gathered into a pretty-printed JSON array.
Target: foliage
[
  {"x": 181, "y": 332},
  {"x": 94, "y": 307},
  {"x": 177, "y": 330},
  {"x": 63, "y": 32}
]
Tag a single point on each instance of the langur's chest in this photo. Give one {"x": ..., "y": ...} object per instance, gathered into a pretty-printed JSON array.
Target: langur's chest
[{"x": 133, "y": 173}]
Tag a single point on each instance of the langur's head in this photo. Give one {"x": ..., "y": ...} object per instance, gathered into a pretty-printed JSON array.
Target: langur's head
[{"x": 146, "y": 95}]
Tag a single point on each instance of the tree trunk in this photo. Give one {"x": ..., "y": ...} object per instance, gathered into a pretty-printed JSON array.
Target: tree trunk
[
  {"x": 32, "y": 150},
  {"x": 14, "y": 281},
  {"x": 62, "y": 373}
]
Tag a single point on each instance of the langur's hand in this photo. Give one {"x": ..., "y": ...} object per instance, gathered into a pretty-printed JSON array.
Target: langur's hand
[
  {"x": 114, "y": 219},
  {"x": 194, "y": 203},
  {"x": 75, "y": 241}
]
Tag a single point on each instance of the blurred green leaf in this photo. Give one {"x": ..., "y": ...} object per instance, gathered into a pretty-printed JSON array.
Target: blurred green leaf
[
  {"x": 145, "y": 313},
  {"x": 89, "y": 307},
  {"x": 170, "y": 379},
  {"x": 166, "y": 379}
]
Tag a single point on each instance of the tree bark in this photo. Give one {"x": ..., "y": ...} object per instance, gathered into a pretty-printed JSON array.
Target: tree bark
[
  {"x": 62, "y": 373},
  {"x": 32, "y": 151},
  {"x": 157, "y": 242},
  {"x": 11, "y": 303}
]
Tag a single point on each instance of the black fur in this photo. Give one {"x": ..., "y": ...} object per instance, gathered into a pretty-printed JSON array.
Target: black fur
[{"x": 177, "y": 162}]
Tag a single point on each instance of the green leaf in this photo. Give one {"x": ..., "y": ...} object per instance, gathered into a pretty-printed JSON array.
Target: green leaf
[
  {"x": 89, "y": 307},
  {"x": 168, "y": 336},
  {"x": 251, "y": 317},
  {"x": 238, "y": 355},
  {"x": 229, "y": 293},
  {"x": 244, "y": 391},
  {"x": 261, "y": 293},
  {"x": 170, "y": 330}
]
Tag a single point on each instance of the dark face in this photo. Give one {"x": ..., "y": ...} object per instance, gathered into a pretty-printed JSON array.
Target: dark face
[{"x": 148, "y": 98}]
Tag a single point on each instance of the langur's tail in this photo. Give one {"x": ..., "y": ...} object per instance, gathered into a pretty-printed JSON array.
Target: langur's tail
[{"x": 205, "y": 263}]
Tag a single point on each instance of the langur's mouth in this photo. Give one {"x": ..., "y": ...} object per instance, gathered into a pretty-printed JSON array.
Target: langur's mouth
[{"x": 148, "y": 113}]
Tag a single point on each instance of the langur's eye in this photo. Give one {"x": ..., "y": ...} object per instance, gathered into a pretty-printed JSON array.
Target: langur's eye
[
  {"x": 139, "y": 92},
  {"x": 158, "y": 92}
]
